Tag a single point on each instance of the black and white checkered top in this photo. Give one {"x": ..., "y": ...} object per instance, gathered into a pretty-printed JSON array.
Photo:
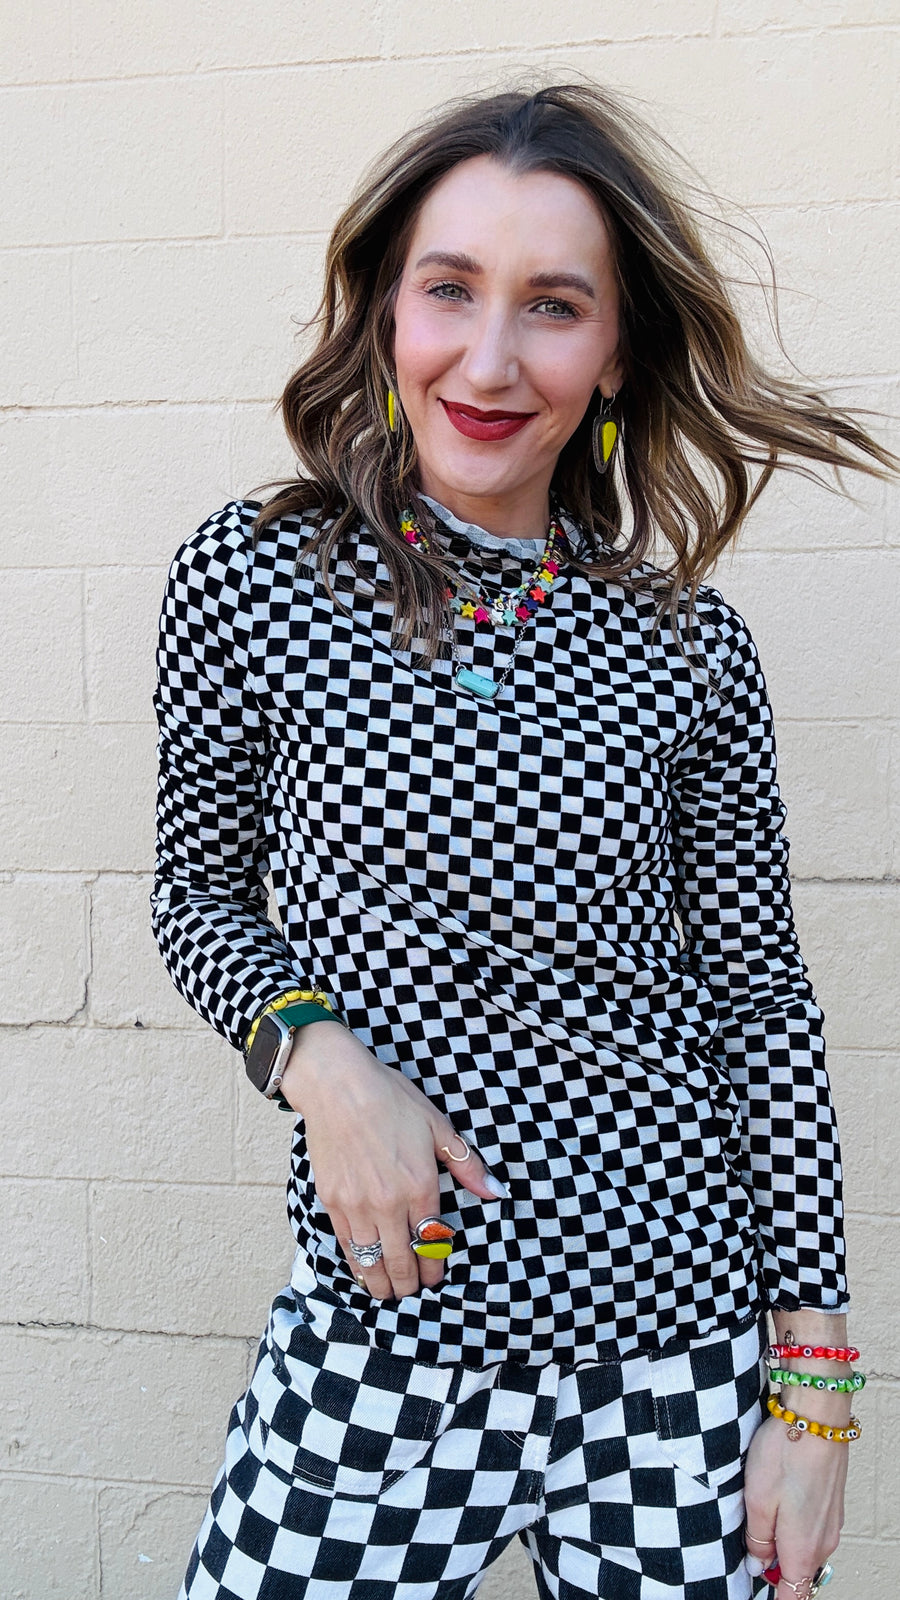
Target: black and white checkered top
[{"x": 564, "y": 913}]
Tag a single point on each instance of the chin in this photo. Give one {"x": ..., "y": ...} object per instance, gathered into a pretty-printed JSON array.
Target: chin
[{"x": 469, "y": 473}]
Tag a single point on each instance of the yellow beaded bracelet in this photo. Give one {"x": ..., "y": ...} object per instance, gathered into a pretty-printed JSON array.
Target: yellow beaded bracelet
[
  {"x": 822, "y": 1430},
  {"x": 285, "y": 1000}
]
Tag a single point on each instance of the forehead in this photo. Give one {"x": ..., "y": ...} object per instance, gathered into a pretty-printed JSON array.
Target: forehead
[{"x": 480, "y": 205}]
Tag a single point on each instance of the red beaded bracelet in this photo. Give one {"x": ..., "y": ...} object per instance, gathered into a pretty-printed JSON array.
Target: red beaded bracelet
[{"x": 819, "y": 1352}]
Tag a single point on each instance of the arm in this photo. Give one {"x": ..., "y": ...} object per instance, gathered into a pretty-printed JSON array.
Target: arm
[
  {"x": 373, "y": 1137},
  {"x": 734, "y": 898},
  {"x": 209, "y": 899},
  {"x": 735, "y": 906}
]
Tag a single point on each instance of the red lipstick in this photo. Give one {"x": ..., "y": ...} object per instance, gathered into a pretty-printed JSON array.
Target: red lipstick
[{"x": 477, "y": 424}]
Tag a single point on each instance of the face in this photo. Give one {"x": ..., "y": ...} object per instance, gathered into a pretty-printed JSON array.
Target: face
[{"x": 506, "y": 321}]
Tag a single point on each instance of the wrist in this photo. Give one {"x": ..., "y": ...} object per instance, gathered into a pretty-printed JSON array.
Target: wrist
[
  {"x": 312, "y": 1063},
  {"x": 817, "y": 1329},
  {"x": 271, "y": 1038},
  {"x": 818, "y": 1405}
]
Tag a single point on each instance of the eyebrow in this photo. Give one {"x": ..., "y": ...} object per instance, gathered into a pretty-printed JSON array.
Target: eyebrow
[
  {"x": 453, "y": 261},
  {"x": 562, "y": 280}
]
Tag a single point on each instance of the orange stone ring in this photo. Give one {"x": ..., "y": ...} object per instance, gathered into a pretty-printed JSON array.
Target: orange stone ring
[{"x": 432, "y": 1238}]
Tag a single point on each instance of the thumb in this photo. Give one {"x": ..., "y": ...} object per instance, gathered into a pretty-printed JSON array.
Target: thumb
[{"x": 466, "y": 1164}]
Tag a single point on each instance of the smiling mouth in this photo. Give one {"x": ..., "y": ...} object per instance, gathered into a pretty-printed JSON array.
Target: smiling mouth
[{"x": 485, "y": 425}]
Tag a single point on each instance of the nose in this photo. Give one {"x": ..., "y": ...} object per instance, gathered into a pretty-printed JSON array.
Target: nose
[{"x": 491, "y": 360}]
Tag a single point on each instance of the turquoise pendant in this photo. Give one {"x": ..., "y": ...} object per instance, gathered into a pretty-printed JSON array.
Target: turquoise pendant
[{"x": 476, "y": 683}]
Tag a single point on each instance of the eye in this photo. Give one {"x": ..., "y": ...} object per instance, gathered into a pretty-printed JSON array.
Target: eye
[
  {"x": 558, "y": 310},
  {"x": 447, "y": 291}
]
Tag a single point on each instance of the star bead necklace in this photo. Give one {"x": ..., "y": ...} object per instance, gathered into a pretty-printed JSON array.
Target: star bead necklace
[
  {"x": 506, "y": 609},
  {"x": 509, "y": 606}
]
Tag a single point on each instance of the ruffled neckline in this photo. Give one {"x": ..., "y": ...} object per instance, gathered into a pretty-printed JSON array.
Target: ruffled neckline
[{"x": 525, "y": 549}]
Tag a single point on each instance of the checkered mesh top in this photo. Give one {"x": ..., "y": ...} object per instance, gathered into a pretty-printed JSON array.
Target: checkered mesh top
[{"x": 492, "y": 892}]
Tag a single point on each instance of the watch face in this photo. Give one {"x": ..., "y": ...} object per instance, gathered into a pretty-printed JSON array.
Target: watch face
[{"x": 261, "y": 1056}]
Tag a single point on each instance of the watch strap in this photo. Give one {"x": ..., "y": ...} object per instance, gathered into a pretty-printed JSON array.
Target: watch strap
[
  {"x": 306, "y": 1011},
  {"x": 266, "y": 1054},
  {"x": 281, "y": 1003}
]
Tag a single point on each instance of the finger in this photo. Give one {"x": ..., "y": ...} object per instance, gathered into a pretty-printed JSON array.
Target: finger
[
  {"x": 757, "y": 1564},
  {"x": 760, "y": 1546},
  {"x": 468, "y": 1169},
  {"x": 430, "y": 1270},
  {"x": 363, "y": 1230},
  {"x": 797, "y": 1569},
  {"x": 801, "y": 1553},
  {"x": 401, "y": 1264}
]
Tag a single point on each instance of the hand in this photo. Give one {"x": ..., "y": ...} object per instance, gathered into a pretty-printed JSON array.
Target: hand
[
  {"x": 794, "y": 1488},
  {"x": 794, "y": 1496},
  {"x": 374, "y": 1141}
]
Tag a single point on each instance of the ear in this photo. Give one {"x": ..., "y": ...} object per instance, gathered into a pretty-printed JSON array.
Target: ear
[{"x": 612, "y": 377}]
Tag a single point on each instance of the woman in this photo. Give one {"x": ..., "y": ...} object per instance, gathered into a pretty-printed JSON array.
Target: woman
[{"x": 554, "y": 1158}]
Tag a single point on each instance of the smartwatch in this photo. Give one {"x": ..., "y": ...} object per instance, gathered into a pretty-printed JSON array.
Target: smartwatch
[{"x": 270, "y": 1047}]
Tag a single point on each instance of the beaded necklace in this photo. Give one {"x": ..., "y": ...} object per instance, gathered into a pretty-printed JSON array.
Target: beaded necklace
[
  {"x": 509, "y": 606},
  {"x": 505, "y": 609}
]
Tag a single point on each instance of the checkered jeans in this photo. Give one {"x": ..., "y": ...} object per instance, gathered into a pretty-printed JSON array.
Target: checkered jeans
[{"x": 351, "y": 1473}]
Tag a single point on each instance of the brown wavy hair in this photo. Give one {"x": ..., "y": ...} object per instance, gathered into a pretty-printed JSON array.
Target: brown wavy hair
[{"x": 702, "y": 424}]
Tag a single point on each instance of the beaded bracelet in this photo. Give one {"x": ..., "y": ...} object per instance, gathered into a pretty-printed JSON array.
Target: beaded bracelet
[
  {"x": 819, "y": 1352},
  {"x": 312, "y": 996},
  {"x": 822, "y": 1430},
  {"x": 814, "y": 1380}
]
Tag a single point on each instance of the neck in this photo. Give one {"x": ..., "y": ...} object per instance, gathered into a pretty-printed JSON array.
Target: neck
[{"x": 523, "y": 515}]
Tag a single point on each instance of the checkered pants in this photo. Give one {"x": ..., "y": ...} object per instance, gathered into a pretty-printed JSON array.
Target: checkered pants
[{"x": 354, "y": 1474}]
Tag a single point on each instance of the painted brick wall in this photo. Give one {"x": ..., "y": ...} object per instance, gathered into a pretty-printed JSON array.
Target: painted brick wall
[{"x": 173, "y": 171}]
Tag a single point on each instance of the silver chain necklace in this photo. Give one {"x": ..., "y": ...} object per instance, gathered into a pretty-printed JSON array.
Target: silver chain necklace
[{"x": 478, "y": 683}]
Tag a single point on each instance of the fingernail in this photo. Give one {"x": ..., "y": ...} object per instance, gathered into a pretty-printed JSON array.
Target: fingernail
[
  {"x": 754, "y": 1566},
  {"x": 496, "y": 1187}
]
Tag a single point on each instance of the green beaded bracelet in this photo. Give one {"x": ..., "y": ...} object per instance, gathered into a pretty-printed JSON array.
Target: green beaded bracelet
[{"x": 811, "y": 1380}]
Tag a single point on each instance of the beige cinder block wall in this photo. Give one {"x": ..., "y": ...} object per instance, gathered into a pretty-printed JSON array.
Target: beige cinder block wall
[{"x": 174, "y": 172}]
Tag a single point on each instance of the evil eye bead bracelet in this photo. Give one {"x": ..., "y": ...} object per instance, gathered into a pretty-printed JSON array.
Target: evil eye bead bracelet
[
  {"x": 797, "y": 1426},
  {"x": 809, "y": 1352},
  {"x": 814, "y": 1380}
]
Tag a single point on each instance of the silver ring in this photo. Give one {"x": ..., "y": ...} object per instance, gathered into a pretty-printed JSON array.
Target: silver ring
[{"x": 368, "y": 1255}]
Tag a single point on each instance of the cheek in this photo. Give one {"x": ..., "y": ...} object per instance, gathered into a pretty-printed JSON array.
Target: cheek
[
  {"x": 568, "y": 385},
  {"x": 421, "y": 346}
]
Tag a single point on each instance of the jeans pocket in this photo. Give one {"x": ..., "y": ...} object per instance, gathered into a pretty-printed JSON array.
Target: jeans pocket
[
  {"x": 344, "y": 1419},
  {"x": 707, "y": 1402}
]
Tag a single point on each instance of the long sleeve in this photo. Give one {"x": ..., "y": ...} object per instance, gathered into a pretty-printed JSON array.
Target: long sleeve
[
  {"x": 734, "y": 894},
  {"x": 209, "y": 899}
]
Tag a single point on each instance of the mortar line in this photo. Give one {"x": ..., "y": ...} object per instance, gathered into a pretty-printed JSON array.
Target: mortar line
[
  {"x": 527, "y": 54},
  {"x": 97, "y": 1335},
  {"x": 757, "y": 551},
  {"x": 77, "y": 408},
  {"x": 844, "y": 383},
  {"x": 154, "y": 241},
  {"x": 85, "y": 676},
  {"x": 804, "y": 207},
  {"x": 90, "y": 1249},
  {"x": 76, "y": 350},
  {"x": 98, "y": 1543}
]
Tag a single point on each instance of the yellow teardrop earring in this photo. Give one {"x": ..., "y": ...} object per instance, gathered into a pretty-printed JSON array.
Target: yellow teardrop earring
[
  {"x": 603, "y": 436},
  {"x": 392, "y": 411}
]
